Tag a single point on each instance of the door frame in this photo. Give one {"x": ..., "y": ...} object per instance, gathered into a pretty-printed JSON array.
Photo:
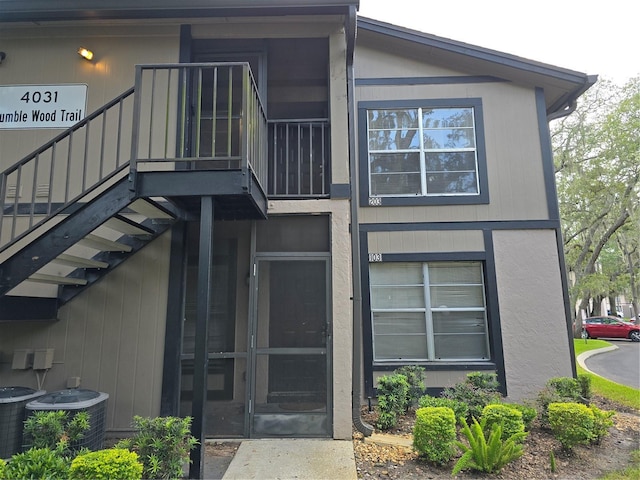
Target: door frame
[{"x": 254, "y": 351}]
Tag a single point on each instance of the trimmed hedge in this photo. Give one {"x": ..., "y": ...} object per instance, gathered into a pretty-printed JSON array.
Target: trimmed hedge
[
  {"x": 571, "y": 423},
  {"x": 434, "y": 434},
  {"x": 508, "y": 417},
  {"x": 115, "y": 463},
  {"x": 460, "y": 409}
]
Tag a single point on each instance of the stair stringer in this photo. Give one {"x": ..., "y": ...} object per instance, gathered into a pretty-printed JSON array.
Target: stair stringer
[{"x": 78, "y": 226}]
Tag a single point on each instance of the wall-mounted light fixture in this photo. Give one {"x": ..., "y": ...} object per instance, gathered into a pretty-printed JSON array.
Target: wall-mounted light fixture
[
  {"x": 85, "y": 53},
  {"x": 2, "y": 57}
]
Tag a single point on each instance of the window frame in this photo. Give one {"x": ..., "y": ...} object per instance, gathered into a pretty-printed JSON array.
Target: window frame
[
  {"x": 427, "y": 312},
  {"x": 366, "y": 199}
]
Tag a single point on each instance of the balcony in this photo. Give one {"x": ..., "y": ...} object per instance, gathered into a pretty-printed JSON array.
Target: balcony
[{"x": 182, "y": 132}]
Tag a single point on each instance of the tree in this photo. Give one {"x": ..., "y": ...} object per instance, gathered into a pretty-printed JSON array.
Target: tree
[{"x": 597, "y": 160}]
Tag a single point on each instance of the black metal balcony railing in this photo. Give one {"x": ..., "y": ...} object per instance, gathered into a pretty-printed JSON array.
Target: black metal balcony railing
[
  {"x": 177, "y": 116},
  {"x": 299, "y": 158},
  {"x": 207, "y": 114}
]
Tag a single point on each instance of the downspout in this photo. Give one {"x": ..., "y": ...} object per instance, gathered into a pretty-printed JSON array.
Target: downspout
[
  {"x": 570, "y": 104},
  {"x": 361, "y": 426},
  {"x": 568, "y": 109}
]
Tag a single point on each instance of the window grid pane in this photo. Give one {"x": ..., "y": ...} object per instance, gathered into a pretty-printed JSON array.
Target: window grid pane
[
  {"x": 453, "y": 319},
  {"x": 445, "y": 140}
]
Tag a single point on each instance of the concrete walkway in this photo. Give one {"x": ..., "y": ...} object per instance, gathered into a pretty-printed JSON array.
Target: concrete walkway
[{"x": 311, "y": 459}]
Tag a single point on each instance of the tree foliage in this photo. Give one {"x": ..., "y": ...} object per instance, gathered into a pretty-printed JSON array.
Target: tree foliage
[{"x": 597, "y": 161}]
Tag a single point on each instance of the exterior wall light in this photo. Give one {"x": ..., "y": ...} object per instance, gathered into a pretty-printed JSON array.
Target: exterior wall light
[
  {"x": 85, "y": 53},
  {"x": 2, "y": 57}
]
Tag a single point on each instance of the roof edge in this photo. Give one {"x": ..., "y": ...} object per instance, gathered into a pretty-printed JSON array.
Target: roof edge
[
  {"x": 61, "y": 10},
  {"x": 481, "y": 53}
]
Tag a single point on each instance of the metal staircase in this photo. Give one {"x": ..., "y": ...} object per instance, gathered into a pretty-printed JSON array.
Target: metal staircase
[
  {"x": 86, "y": 244},
  {"x": 73, "y": 210}
]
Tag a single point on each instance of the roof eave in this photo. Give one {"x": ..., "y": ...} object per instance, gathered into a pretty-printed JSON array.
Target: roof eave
[
  {"x": 65, "y": 10},
  {"x": 576, "y": 83}
]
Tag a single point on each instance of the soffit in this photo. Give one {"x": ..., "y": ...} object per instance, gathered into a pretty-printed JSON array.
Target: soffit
[{"x": 561, "y": 86}]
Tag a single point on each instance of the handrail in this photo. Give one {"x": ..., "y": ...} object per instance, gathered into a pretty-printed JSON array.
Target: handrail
[
  {"x": 224, "y": 126},
  {"x": 48, "y": 163},
  {"x": 186, "y": 115}
]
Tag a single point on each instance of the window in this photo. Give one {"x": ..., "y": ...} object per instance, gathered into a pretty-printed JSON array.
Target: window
[
  {"x": 433, "y": 311},
  {"x": 422, "y": 151}
]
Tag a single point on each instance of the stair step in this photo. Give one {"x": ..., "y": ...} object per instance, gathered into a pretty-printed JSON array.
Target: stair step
[
  {"x": 150, "y": 209},
  {"x": 99, "y": 243},
  {"x": 78, "y": 262},
  {"x": 55, "y": 279},
  {"x": 129, "y": 227}
]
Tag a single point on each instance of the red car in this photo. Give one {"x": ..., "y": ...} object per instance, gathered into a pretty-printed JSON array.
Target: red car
[{"x": 611, "y": 327}]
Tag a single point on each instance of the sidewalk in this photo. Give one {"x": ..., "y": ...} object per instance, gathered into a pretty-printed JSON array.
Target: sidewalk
[{"x": 311, "y": 459}]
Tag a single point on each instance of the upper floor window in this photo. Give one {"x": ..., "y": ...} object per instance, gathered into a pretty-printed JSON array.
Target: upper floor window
[{"x": 424, "y": 150}]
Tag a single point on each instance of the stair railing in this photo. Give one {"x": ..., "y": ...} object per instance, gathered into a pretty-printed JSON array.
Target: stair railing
[
  {"x": 49, "y": 181},
  {"x": 195, "y": 116},
  {"x": 205, "y": 116}
]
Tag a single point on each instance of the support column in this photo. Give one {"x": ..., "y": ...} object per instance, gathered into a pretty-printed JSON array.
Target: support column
[
  {"x": 170, "y": 399},
  {"x": 201, "y": 357}
]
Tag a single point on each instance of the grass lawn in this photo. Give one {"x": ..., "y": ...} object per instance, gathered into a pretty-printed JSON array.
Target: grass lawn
[{"x": 619, "y": 393}]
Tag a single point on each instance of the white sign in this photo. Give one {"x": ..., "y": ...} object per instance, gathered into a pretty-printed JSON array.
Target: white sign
[{"x": 41, "y": 106}]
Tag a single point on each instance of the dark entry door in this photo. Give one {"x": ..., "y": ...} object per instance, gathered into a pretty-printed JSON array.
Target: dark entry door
[{"x": 290, "y": 393}]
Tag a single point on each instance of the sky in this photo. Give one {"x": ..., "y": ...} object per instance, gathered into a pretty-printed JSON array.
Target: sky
[{"x": 593, "y": 37}]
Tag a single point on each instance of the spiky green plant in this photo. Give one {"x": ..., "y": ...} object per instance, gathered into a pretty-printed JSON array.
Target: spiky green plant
[{"x": 487, "y": 452}]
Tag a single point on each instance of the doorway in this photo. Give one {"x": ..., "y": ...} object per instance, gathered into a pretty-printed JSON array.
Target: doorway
[{"x": 290, "y": 385}]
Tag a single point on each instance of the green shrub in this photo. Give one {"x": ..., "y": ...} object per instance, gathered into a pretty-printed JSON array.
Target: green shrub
[
  {"x": 547, "y": 396},
  {"x": 54, "y": 429},
  {"x": 584, "y": 382},
  {"x": 460, "y": 409},
  {"x": 567, "y": 387},
  {"x": 115, "y": 463},
  {"x": 434, "y": 433},
  {"x": 487, "y": 452},
  {"x": 509, "y": 418},
  {"x": 529, "y": 413},
  {"x": 601, "y": 423},
  {"x": 37, "y": 463},
  {"x": 415, "y": 379},
  {"x": 3, "y": 468},
  {"x": 162, "y": 444},
  {"x": 563, "y": 390},
  {"x": 386, "y": 420},
  {"x": 392, "y": 399},
  {"x": 477, "y": 391},
  {"x": 483, "y": 381},
  {"x": 571, "y": 423}
]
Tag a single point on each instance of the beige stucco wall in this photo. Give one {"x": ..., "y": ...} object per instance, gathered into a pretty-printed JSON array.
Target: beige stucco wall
[
  {"x": 341, "y": 305},
  {"x": 532, "y": 314},
  {"x": 111, "y": 336}
]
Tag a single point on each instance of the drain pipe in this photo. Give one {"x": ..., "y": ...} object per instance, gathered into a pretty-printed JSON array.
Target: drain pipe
[{"x": 361, "y": 426}]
